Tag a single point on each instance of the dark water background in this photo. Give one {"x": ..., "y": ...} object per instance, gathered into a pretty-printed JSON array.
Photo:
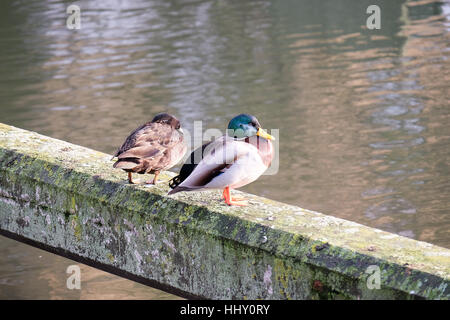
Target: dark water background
[{"x": 363, "y": 114}]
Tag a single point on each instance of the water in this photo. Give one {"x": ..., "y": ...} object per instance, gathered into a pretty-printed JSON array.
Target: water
[
  {"x": 363, "y": 114},
  {"x": 30, "y": 273}
]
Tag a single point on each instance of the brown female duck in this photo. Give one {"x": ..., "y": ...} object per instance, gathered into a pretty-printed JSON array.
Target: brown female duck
[{"x": 155, "y": 146}]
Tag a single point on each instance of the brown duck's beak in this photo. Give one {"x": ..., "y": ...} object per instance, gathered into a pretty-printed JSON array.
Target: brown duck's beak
[{"x": 264, "y": 134}]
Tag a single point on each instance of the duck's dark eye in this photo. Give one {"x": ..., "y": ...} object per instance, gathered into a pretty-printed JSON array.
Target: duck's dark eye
[{"x": 178, "y": 126}]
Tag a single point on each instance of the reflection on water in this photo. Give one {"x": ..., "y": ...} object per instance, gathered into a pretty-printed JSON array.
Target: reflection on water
[
  {"x": 363, "y": 114},
  {"x": 30, "y": 273}
]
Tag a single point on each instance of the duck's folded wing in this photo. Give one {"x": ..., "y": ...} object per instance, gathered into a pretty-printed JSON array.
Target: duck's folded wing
[
  {"x": 157, "y": 133},
  {"x": 218, "y": 157},
  {"x": 189, "y": 166},
  {"x": 148, "y": 151},
  {"x": 130, "y": 141},
  {"x": 135, "y": 157},
  {"x": 151, "y": 134}
]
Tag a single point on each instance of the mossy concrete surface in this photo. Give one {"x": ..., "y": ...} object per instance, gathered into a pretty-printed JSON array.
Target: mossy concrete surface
[{"x": 69, "y": 198}]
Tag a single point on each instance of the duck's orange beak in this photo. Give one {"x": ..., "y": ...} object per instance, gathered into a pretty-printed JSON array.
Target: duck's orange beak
[{"x": 264, "y": 134}]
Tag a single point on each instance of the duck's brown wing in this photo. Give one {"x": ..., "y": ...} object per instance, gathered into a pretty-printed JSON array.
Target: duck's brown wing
[
  {"x": 131, "y": 139},
  {"x": 148, "y": 148}
]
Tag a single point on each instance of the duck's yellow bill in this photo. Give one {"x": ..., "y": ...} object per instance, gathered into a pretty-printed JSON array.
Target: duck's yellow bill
[{"x": 264, "y": 134}]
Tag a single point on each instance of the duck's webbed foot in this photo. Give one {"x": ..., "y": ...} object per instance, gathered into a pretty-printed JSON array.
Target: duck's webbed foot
[
  {"x": 236, "y": 201},
  {"x": 155, "y": 178}
]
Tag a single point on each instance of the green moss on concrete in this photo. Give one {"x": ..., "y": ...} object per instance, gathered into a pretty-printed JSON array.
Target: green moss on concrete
[
  {"x": 68, "y": 196},
  {"x": 76, "y": 226}
]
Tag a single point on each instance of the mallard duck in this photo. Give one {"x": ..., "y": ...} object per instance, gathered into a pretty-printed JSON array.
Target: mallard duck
[
  {"x": 156, "y": 145},
  {"x": 229, "y": 162}
]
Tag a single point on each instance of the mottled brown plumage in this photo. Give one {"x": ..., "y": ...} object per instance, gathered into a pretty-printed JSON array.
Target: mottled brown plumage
[{"x": 154, "y": 146}]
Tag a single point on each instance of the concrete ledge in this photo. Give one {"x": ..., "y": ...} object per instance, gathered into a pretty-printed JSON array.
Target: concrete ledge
[{"x": 67, "y": 199}]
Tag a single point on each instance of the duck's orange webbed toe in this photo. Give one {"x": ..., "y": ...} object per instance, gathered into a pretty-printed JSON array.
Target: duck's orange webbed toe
[{"x": 237, "y": 201}]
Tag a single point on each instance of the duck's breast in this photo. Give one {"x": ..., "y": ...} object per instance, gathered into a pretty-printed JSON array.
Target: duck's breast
[{"x": 265, "y": 148}]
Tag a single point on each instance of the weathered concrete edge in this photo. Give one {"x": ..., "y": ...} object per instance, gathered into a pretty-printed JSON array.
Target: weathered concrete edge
[{"x": 295, "y": 257}]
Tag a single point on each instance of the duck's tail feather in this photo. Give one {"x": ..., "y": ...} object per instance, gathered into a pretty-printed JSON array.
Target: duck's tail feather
[
  {"x": 180, "y": 188},
  {"x": 126, "y": 164},
  {"x": 175, "y": 181}
]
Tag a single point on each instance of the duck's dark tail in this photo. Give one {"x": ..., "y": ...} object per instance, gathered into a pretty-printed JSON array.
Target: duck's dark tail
[
  {"x": 182, "y": 188},
  {"x": 178, "y": 189},
  {"x": 187, "y": 169},
  {"x": 174, "y": 182}
]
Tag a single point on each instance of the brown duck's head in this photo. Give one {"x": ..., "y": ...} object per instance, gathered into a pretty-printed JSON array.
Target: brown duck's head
[{"x": 166, "y": 118}]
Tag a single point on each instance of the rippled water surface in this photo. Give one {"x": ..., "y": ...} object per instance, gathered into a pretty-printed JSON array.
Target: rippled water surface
[{"x": 363, "y": 114}]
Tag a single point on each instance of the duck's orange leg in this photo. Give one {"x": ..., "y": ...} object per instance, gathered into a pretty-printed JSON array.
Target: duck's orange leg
[
  {"x": 233, "y": 201},
  {"x": 154, "y": 178},
  {"x": 130, "y": 180}
]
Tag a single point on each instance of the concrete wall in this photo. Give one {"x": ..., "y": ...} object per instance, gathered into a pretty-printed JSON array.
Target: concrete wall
[{"x": 67, "y": 199}]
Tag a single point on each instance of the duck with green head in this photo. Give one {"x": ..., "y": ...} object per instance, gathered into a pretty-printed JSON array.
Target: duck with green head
[{"x": 229, "y": 162}]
